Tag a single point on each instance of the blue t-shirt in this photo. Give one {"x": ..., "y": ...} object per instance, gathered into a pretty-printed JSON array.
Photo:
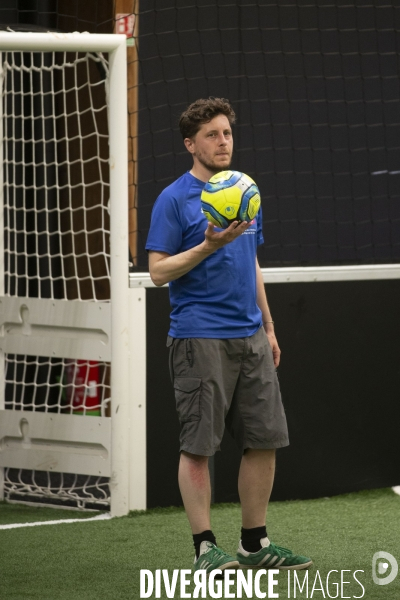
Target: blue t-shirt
[{"x": 217, "y": 298}]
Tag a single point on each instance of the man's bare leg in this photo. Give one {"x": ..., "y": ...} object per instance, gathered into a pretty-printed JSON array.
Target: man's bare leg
[
  {"x": 256, "y": 478},
  {"x": 195, "y": 487}
]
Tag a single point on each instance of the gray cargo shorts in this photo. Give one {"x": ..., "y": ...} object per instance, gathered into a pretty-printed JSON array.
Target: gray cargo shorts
[{"x": 227, "y": 382}]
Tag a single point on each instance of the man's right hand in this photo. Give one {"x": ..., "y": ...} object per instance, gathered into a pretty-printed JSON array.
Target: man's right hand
[{"x": 217, "y": 239}]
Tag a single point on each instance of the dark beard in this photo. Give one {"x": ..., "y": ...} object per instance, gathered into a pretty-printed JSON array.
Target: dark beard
[{"x": 212, "y": 167}]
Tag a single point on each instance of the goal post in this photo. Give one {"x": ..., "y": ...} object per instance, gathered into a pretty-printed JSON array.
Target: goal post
[
  {"x": 72, "y": 324},
  {"x": 2, "y": 374}
]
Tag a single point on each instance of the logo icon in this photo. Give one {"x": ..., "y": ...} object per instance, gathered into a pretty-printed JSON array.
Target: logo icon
[
  {"x": 229, "y": 210},
  {"x": 381, "y": 561}
]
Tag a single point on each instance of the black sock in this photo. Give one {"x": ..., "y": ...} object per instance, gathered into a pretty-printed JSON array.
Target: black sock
[
  {"x": 251, "y": 538},
  {"x": 205, "y": 536}
]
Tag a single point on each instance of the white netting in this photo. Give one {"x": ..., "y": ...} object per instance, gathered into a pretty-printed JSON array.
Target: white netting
[
  {"x": 56, "y": 236},
  {"x": 56, "y": 184},
  {"x": 57, "y": 385},
  {"x": 81, "y": 491}
]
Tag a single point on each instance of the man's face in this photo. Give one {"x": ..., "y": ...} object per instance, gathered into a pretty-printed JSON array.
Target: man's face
[{"x": 212, "y": 145}]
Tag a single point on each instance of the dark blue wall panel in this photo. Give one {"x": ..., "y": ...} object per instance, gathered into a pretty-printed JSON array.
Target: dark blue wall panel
[{"x": 340, "y": 381}]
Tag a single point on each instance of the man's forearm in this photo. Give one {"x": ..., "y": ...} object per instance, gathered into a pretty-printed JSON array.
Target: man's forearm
[
  {"x": 262, "y": 301},
  {"x": 165, "y": 267},
  {"x": 168, "y": 267}
]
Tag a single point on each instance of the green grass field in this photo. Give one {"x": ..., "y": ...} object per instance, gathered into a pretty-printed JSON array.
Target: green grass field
[{"x": 102, "y": 560}]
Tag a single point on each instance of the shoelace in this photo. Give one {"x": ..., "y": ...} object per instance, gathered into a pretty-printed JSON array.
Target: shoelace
[{"x": 215, "y": 552}]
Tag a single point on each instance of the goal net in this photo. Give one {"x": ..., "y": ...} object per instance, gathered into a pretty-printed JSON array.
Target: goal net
[
  {"x": 315, "y": 86},
  {"x": 56, "y": 264}
]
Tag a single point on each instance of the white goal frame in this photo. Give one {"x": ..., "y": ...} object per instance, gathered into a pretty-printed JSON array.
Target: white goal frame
[{"x": 127, "y": 467}]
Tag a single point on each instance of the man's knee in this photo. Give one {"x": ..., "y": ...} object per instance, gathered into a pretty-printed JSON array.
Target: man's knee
[{"x": 194, "y": 469}]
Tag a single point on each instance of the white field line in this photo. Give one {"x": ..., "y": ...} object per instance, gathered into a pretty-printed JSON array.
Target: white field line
[
  {"x": 16, "y": 525},
  {"x": 103, "y": 517}
]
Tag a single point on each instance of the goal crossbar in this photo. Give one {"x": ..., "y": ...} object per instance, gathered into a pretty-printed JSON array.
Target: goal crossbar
[{"x": 61, "y": 42}]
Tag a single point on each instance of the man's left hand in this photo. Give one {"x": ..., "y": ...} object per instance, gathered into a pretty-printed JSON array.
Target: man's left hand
[{"x": 276, "y": 352}]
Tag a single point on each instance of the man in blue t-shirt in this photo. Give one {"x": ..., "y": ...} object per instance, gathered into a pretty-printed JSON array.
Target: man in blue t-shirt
[{"x": 223, "y": 349}]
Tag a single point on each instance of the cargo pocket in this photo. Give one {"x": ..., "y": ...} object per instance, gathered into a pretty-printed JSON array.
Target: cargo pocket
[{"x": 187, "y": 395}]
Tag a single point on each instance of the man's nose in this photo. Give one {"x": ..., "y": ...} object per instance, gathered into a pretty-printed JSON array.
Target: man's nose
[{"x": 222, "y": 140}]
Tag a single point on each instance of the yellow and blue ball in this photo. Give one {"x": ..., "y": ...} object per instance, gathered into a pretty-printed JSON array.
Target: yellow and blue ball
[{"x": 230, "y": 196}]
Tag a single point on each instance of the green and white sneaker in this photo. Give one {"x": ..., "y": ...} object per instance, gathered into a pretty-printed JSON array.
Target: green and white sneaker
[
  {"x": 211, "y": 558},
  {"x": 271, "y": 557}
]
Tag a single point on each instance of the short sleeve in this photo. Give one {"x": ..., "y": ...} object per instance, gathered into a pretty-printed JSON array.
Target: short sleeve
[
  {"x": 165, "y": 234},
  {"x": 260, "y": 237}
]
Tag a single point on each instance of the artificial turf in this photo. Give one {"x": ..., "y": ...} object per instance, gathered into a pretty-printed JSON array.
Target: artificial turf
[{"x": 102, "y": 560}]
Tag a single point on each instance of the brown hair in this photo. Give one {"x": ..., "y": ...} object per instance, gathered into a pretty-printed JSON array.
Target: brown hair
[{"x": 203, "y": 111}]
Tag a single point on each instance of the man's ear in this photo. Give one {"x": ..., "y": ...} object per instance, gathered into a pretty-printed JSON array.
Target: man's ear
[{"x": 189, "y": 143}]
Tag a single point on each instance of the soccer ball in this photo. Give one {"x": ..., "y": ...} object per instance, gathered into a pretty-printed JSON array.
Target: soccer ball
[{"x": 230, "y": 196}]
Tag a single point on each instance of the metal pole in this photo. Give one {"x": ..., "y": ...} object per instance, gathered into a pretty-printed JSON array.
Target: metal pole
[
  {"x": 119, "y": 482},
  {"x": 60, "y": 42}
]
